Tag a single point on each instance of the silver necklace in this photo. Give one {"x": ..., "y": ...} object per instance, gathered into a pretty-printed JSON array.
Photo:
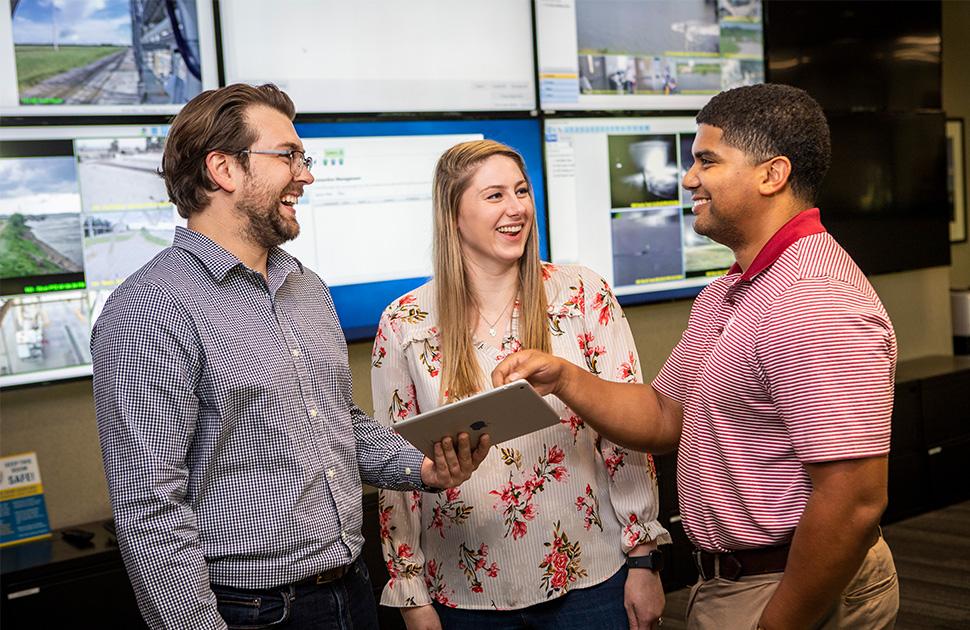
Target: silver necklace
[{"x": 491, "y": 325}]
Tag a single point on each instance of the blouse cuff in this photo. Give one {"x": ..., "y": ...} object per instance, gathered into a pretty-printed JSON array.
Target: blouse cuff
[
  {"x": 637, "y": 532},
  {"x": 406, "y": 593}
]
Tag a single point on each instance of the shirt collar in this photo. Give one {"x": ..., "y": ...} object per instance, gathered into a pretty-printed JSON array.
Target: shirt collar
[
  {"x": 220, "y": 261},
  {"x": 805, "y": 223}
]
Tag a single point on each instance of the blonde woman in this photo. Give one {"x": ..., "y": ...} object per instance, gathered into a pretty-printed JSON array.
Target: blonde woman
[{"x": 538, "y": 538}]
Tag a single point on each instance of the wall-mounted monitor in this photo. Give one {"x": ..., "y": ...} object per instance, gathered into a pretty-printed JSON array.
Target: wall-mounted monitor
[
  {"x": 384, "y": 55},
  {"x": 645, "y": 54},
  {"x": 365, "y": 223},
  {"x": 104, "y": 58},
  {"x": 885, "y": 196},
  {"x": 858, "y": 55},
  {"x": 616, "y": 205},
  {"x": 81, "y": 208}
]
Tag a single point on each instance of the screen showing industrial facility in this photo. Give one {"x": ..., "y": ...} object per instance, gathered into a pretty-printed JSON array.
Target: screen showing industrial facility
[
  {"x": 645, "y": 54},
  {"x": 617, "y": 206}
]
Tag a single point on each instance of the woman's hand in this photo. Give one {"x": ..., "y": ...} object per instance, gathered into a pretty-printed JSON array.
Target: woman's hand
[
  {"x": 421, "y": 618},
  {"x": 643, "y": 598}
]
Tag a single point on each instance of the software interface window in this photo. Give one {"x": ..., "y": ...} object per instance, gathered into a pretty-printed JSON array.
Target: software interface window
[
  {"x": 370, "y": 204},
  {"x": 341, "y": 56}
]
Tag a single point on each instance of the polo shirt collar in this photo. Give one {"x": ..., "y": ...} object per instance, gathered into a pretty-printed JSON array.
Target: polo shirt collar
[
  {"x": 220, "y": 261},
  {"x": 805, "y": 223}
]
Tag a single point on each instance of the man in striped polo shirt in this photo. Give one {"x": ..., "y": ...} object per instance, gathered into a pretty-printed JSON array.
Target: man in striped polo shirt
[{"x": 779, "y": 394}]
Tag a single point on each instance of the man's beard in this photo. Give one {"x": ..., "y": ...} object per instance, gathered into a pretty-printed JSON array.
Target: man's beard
[{"x": 265, "y": 225}]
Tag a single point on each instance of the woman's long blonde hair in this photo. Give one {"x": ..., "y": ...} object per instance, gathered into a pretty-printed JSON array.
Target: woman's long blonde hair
[{"x": 460, "y": 375}]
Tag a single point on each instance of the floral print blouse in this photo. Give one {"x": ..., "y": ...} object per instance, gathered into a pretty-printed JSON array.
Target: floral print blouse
[{"x": 544, "y": 513}]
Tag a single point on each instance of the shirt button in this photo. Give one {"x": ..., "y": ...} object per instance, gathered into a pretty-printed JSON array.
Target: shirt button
[
  {"x": 407, "y": 470},
  {"x": 295, "y": 352},
  {"x": 720, "y": 329},
  {"x": 344, "y": 536},
  {"x": 331, "y": 473},
  {"x": 313, "y": 413}
]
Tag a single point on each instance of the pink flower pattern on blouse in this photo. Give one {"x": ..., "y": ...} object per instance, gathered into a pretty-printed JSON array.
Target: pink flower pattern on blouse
[{"x": 544, "y": 513}]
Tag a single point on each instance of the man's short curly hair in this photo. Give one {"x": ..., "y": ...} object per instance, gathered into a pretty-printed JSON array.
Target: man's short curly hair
[{"x": 770, "y": 119}]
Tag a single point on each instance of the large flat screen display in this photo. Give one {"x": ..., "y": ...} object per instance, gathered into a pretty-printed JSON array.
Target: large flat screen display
[
  {"x": 885, "y": 196},
  {"x": 365, "y": 223},
  {"x": 384, "y": 55},
  {"x": 87, "y": 57},
  {"x": 645, "y": 54},
  {"x": 616, "y": 205},
  {"x": 81, "y": 208},
  {"x": 858, "y": 55}
]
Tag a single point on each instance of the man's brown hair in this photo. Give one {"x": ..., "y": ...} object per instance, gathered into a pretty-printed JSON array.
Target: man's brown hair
[{"x": 215, "y": 120}]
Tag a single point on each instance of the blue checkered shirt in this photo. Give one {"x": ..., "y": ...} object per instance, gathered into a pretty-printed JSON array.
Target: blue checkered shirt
[{"x": 232, "y": 446}]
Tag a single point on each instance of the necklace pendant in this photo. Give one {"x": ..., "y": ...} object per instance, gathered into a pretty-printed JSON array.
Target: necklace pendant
[{"x": 491, "y": 331}]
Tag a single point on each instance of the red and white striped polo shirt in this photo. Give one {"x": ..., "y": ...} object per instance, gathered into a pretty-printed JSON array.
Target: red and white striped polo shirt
[{"x": 790, "y": 362}]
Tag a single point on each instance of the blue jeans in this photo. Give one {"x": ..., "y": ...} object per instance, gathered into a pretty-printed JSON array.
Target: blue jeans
[
  {"x": 599, "y": 606},
  {"x": 344, "y": 604}
]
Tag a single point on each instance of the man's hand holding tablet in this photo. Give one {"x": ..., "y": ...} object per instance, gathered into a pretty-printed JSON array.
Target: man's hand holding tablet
[
  {"x": 446, "y": 434},
  {"x": 453, "y": 463}
]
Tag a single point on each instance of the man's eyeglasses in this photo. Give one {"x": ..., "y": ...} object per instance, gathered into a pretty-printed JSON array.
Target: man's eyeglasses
[{"x": 299, "y": 160}]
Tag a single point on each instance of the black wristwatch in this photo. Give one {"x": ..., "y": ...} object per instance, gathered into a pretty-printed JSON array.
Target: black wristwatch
[{"x": 653, "y": 561}]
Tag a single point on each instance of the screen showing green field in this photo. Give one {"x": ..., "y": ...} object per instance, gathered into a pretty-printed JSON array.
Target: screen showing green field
[{"x": 105, "y": 56}]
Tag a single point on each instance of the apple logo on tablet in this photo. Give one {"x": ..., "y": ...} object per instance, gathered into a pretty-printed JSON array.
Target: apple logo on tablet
[{"x": 478, "y": 426}]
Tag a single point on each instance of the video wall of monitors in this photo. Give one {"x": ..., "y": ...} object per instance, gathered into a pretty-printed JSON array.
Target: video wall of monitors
[
  {"x": 416, "y": 56},
  {"x": 645, "y": 54},
  {"x": 620, "y": 209},
  {"x": 81, "y": 208},
  {"x": 108, "y": 57},
  {"x": 382, "y": 88}
]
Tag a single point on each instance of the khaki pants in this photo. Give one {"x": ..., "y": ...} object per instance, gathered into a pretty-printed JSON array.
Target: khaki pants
[{"x": 870, "y": 601}]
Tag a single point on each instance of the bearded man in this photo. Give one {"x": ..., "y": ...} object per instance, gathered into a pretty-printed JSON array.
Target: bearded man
[{"x": 233, "y": 450}]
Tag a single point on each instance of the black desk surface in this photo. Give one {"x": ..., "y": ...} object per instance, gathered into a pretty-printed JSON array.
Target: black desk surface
[
  {"x": 57, "y": 551},
  {"x": 928, "y": 367}
]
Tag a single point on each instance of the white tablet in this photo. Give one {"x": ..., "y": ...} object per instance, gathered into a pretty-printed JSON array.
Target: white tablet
[{"x": 504, "y": 413}]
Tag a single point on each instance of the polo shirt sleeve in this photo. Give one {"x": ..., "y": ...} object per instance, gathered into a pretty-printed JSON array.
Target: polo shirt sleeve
[{"x": 826, "y": 353}]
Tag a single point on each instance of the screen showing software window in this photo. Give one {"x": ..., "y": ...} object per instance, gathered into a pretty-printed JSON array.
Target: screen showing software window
[
  {"x": 366, "y": 222},
  {"x": 82, "y": 208},
  {"x": 616, "y": 205},
  {"x": 645, "y": 54},
  {"x": 106, "y": 57},
  {"x": 384, "y": 55}
]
